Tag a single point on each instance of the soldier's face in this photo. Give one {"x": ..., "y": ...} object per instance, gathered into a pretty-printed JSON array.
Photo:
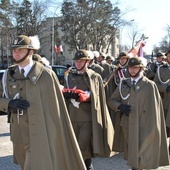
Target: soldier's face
[
  {"x": 18, "y": 54},
  {"x": 81, "y": 64},
  {"x": 160, "y": 59},
  {"x": 123, "y": 60},
  {"x": 134, "y": 71},
  {"x": 168, "y": 58},
  {"x": 22, "y": 56}
]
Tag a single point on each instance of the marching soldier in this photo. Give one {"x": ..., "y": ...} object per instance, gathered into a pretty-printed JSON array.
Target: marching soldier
[
  {"x": 92, "y": 65},
  {"x": 162, "y": 79},
  {"x": 152, "y": 67},
  {"x": 122, "y": 72},
  {"x": 40, "y": 127},
  {"x": 109, "y": 60},
  {"x": 138, "y": 102},
  {"x": 86, "y": 103}
]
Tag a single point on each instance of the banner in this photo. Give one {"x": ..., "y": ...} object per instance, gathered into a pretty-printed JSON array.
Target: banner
[
  {"x": 137, "y": 50},
  {"x": 58, "y": 49}
]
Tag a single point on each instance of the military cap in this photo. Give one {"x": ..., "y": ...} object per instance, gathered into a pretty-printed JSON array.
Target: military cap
[
  {"x": 90, "y": 54},
  {"x": 103, "y": 55},
  {"x": 159, "y": 54},
  {"x": 123, "y": 54},
  {"x": 135, "y": 62},
  {"x": 81, "y": 55},
  {"x": 96, "y": 54},
  {"x": 24, "y": 41},
  {"x": 109, "y": 58}
]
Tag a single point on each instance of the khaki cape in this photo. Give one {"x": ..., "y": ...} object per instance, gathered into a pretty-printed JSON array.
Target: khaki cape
[
  {"x": 102, "y": 128},
  {"x": 147, "y": 143},
  {"x": 103, "y": 132},
  {"x": 51, "y": 138}
]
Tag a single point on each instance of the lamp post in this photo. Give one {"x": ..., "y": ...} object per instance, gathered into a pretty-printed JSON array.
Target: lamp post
[
  {"x": 52, "y": 43},
  {"x": 53, "y": 32},
  {"x": 121, "y": 33}
]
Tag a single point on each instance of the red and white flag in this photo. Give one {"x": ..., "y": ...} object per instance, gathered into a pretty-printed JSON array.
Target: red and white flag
[
  {"x": 140, "y": 52},
  {"x": 58, "y": 49},
  {"x": 137, "y": 49}
]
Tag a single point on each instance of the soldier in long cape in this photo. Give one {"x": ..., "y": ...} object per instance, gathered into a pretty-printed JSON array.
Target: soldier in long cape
[{"x": 142, "y": 120}]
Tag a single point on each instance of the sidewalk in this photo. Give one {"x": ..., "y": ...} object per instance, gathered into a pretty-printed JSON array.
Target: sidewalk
[{"x": 114, "y": 163}]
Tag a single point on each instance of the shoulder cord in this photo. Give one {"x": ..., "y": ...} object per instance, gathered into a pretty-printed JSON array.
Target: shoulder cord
[
  {"x": 126, "y": 97},
  {"x": 4, "y": 82},
  {"x": 5, "y": 90},
  {"x": 120, "y": 78},
  {"x": 162, "y": 82},
  {"x": 66, "y": 78}
]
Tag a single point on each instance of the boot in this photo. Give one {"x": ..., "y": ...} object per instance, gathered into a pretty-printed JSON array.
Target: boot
[{"x": 88, "y": 163}]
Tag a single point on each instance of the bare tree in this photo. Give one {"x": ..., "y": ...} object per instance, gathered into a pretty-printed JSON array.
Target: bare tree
[{"x": 91, "y": 22}]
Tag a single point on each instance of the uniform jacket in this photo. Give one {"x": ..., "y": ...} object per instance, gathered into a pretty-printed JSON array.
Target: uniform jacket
[
  {"x": 147, "y": 145},
  {"x": 162, "y": 81},
  {"x": 46, "y": 126},
  {"x": 102, "y": 128},
  {"x": 97, "y": 68}
]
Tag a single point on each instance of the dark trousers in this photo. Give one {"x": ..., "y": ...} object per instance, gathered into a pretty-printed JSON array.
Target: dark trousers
[{"x": 88, "y": 163}]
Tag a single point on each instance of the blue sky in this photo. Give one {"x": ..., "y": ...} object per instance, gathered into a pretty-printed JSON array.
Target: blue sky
[{"x": 151, "y": 16}]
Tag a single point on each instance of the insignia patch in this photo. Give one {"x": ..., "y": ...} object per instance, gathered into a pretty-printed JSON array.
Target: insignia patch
[
  {"x": 14, "y": 86},
  {"x": 33, "y": 78}
]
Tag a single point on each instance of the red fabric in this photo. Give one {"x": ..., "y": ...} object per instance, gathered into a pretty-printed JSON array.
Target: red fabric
[
  {"x": 140, "y": 52},
  {"x": 83, "y": 96},
  {"x": 136, "y": 50},
  {"x": 58, "y": 49}
]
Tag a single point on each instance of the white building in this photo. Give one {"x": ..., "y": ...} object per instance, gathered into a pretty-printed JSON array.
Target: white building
[{"x": 47, "y": 43}]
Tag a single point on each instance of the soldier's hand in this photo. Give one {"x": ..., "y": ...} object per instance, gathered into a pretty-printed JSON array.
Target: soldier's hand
[
  {"x": 124, "y": 108},
  {"x": 18, "y": 104},
  {"x": 168, "y": 89},
  {"x": 70, "y": 95}
]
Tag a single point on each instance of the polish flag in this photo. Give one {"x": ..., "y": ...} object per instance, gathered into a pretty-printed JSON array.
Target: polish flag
[
  {"x": 136, "y": 49},
  {"x": 140, "y": 52},
  {"x": 58, "y": 49}
]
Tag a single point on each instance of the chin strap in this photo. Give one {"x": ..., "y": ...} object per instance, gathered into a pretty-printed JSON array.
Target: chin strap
[
  {"x": 136, "y": 73},
  {"x": 81, "y": 67},
  {"x": 26, "y": 55}
]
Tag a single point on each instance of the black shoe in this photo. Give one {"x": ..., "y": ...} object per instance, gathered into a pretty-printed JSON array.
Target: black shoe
[{"x": 88, "y": 163}]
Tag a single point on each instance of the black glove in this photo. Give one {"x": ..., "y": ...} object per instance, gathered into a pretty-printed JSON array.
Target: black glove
[
  {"x": 18, "y": 104},
  {"x": 70, "y": 95},
  {"x": 167, "y": 88},
  {"x": 125, "y": 109}
]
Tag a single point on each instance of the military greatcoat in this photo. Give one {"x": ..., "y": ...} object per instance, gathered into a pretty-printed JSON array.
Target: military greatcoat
[
  {"x": 162, "y": 80},
  {"x": 102, "y": 128},
  {"x": 144, "y": 128},
  {"x": 46, "y": 126}
]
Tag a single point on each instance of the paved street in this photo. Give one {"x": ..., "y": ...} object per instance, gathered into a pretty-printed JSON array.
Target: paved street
[{"x": 114, "y": 163}]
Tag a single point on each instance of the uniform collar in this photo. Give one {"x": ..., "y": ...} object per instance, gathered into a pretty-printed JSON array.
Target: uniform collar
[
  {"x": 27, "y": 68},
  {"x": 136, "y": 80}
]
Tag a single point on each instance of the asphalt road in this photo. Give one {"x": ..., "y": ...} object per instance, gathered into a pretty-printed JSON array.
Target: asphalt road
[{"x": 115, "y": 162}]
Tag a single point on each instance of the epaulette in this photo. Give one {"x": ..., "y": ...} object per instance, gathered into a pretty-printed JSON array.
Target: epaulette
[
  {"x": 73, "y": 70},
  {"x": 164, "y": 65},
  {"x": 12, "y": 67}
]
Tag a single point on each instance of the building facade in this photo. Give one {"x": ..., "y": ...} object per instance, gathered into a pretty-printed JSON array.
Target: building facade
[{"x": 50, "y": 28}]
